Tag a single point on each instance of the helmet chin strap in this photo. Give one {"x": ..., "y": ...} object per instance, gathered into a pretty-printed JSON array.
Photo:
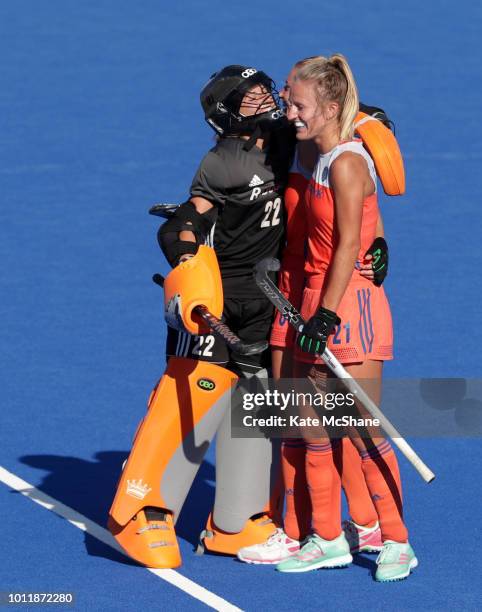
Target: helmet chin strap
[{"x": 257, "y": 133}]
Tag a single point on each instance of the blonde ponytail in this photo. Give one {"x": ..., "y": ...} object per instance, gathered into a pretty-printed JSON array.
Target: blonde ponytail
[{"x": 351, "y": 102}]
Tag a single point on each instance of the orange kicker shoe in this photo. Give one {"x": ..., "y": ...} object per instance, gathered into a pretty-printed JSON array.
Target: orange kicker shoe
[
  {"x": 149, "y": 538},
  {"x": 256, "y": 530}
]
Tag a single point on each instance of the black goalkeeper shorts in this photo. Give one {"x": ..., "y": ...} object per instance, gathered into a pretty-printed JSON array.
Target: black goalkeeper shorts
[{"x": 250, "y": 319}]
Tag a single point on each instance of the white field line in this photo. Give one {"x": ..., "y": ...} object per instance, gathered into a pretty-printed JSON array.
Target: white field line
[{"x": 78, "y": 520}]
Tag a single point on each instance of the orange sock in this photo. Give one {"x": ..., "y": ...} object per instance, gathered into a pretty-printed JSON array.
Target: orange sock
[
  {"x": 324, "y": 484},
  {"x": 360, "y": 504},
  {"x": 297, "y": 523},
  {"x": 380, "y": 466}
]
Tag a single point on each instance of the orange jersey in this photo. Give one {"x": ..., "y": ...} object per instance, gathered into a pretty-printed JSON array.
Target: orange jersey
[
  {"x": 365, "y": 331},
  {"x": 291, "y": 276},
  {"x": 320, "y": 211},
  {"x": 298, "y": 181}
]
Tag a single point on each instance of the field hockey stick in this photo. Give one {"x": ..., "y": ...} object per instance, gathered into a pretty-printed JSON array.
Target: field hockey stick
[
  {"x": 221, "y": 330},
  {"x": 294, "y": 318}
]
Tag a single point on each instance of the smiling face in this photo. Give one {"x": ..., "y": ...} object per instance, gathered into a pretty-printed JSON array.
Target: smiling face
[{"x": 310, "y": 117}]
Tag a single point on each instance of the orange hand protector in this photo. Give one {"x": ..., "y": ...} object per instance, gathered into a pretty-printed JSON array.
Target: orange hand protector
[
  {"x": 385, "y": 152},
  {"x": 195, "y": 282}
]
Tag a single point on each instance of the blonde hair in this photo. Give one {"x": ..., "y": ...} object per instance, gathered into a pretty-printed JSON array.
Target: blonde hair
[
  {"x": 334, "y": 82},
  {"x": 307, "y": 60}
]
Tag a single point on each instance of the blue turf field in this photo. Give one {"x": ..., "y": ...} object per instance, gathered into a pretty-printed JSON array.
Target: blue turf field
[{"x": 99, "y": 119}]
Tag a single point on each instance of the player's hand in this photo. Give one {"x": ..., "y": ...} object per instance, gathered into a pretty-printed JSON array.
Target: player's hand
[
  {"x": 375, "y": 263},
  {"x": 185, "y": 257},
  {"x": 315, "y": 333}
]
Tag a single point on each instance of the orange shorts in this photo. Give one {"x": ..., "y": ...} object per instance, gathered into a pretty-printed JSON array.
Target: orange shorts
[
  {"x": 291, "y": 286},
  {"x": 365, "y": 331}
]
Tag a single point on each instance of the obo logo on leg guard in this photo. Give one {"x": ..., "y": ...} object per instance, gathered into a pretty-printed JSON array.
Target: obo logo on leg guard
[{"x": 206, "y": 384}]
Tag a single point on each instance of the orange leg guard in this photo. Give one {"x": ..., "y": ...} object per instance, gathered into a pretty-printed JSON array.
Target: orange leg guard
[{"x": 183, "y": 416}]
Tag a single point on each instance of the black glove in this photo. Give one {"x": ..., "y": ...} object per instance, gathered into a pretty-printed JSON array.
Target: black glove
[
  {"x": 315, "y": 333},
  {"x": 379, "y": 253},
  {"x": 379, "y": 114}
]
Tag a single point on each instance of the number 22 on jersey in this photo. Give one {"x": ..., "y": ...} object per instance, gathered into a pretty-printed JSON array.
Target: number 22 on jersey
[
  {"x": 272, "y": 213},
  {"x": 203, "y": 346}
]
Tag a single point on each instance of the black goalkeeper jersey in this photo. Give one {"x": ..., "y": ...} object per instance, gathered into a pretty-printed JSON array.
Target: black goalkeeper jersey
[{"x": 246, "y": 187}]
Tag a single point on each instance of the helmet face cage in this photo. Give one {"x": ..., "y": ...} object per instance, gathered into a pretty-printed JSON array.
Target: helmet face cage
[{"x": 221, "y": 99}]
